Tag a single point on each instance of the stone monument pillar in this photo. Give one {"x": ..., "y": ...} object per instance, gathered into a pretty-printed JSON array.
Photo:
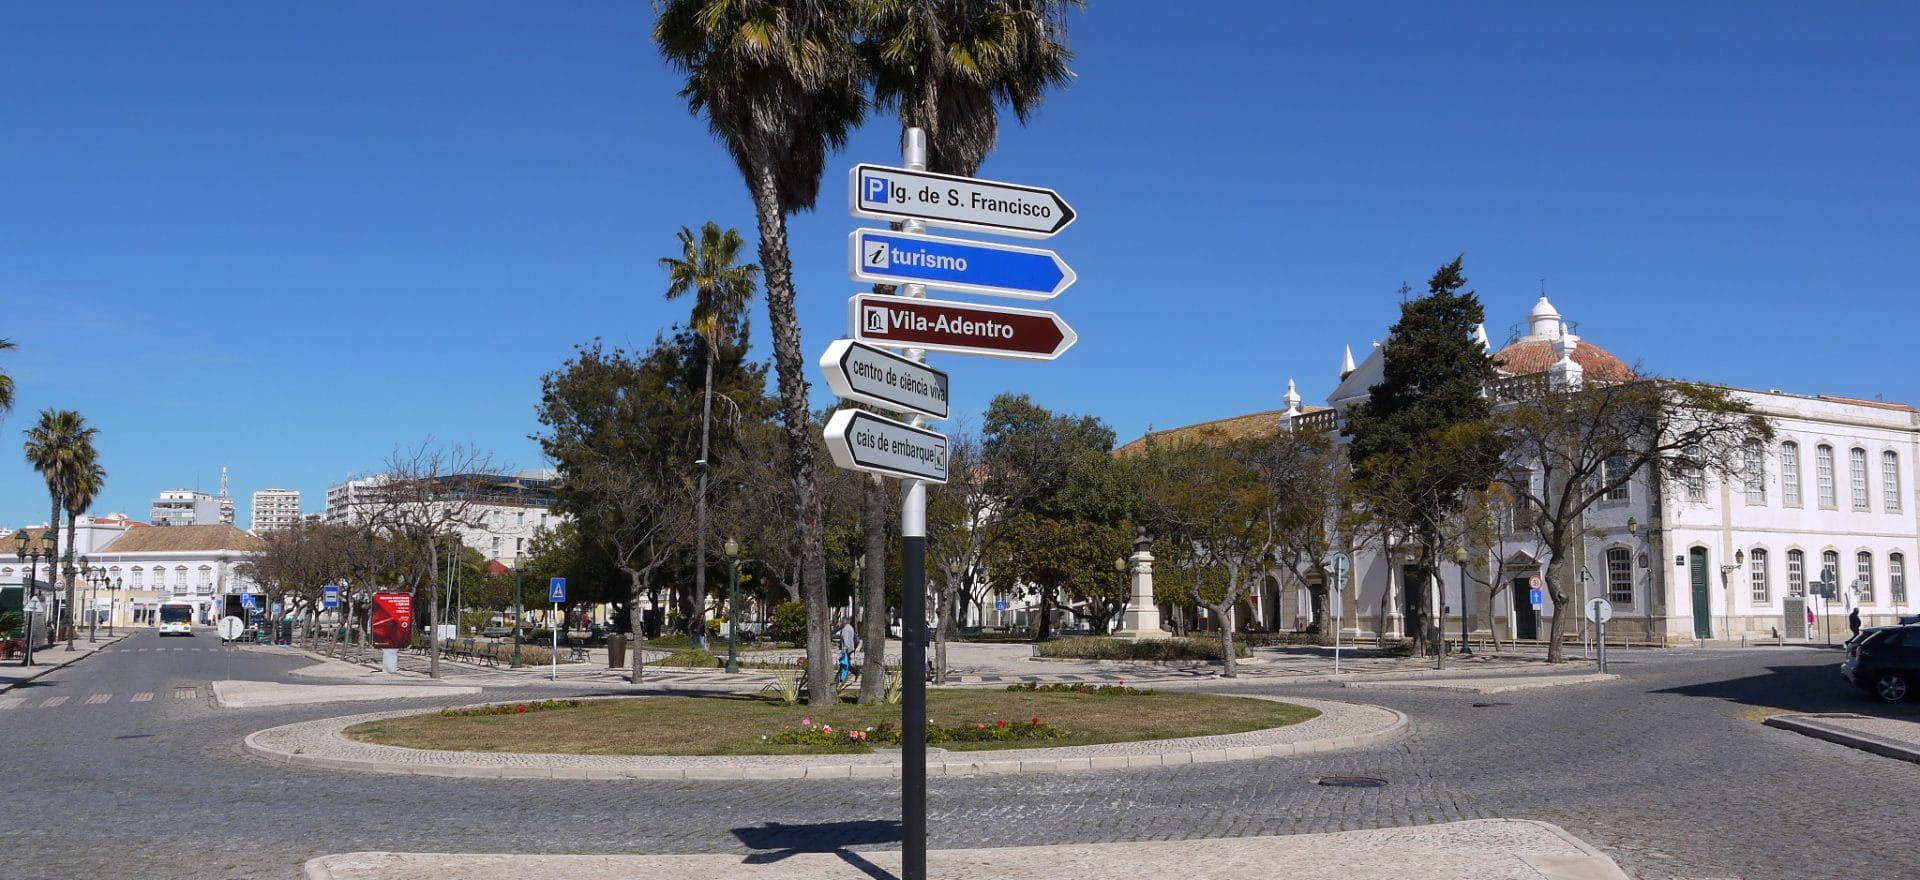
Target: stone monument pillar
[{"x": 1143, "y": 616}]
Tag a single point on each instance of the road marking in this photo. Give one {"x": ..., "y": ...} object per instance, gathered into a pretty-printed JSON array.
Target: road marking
[
  {"x": 185, "y": 693},
  {"x": 97, "y": 699},
  {"x": 11, "y": 703},
  {"x": 53, "y": 701},
  {"x": 143, "y": 698}
]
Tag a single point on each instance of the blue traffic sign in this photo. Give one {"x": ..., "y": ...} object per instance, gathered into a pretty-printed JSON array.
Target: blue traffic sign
[
  {"x": 1535, "y": 599},
  {"x": 246, "y": 601},
  {"x": 886, "y": 257},
  {"x": 330, "y": 596},
  {"x": 557, "y": 590},
  {"x": 1000, "y": 605}
]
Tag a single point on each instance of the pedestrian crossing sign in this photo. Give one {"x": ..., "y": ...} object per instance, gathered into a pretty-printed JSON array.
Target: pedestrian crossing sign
[{"x": 557, "y": 590}]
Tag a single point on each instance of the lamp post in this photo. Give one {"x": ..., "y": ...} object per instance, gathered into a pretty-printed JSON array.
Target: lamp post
[
  {"x": 66, "y": 613},
  {"x": 1726, "y": 587},
  {"x": 92, "y": 576},
  {"x": 1126, "y": 589},
  {"x": 1460, "y": 559},
  {"x": 519, "y": 562},
  {"x": 30, "y": 602},
  {"x": 732, "y": 548},
  {"x": 113, "y": 601}
]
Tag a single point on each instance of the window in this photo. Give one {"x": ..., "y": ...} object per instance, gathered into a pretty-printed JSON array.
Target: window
[
  {"x": 1830, "y": 567},
  {"x": 1756, "y": 473},
  {"x": 1890, "y": 481},
  {"x": 496, "y": 548},
  {"x": 1823, "y": 475},
  {"x": 499, "y": 520},
  {"x": 1796, "y": 573},
  {"x": 1897, "y": 577},
  {"x": 1757, "y": 569},
  {"x": 1520, "y": 482},
  {"x": 1790, "y": 474},
  {"x": 1863, "y": 576},
  {"x": 1857, "y": 475},
  {"x": 1695, "y": 478},
  {"x": 519, "y": 518},
  {"x": 1620, "y": 576},
  {"x": 1615, "y": 469}
]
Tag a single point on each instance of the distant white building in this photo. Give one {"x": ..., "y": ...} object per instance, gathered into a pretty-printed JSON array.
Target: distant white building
[
  {"x": 187, "y": 507},
  {"x": 506, "y": 512},
  {"x": 275, "y": 509},
  {"x": 194, "y": 564}
]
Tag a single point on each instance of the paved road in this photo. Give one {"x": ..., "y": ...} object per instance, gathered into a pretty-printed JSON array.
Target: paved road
[{"x": 136, "y": 774}]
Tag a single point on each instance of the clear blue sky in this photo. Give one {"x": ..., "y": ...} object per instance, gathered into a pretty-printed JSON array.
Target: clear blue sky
[{"x": 284, "y": 238}]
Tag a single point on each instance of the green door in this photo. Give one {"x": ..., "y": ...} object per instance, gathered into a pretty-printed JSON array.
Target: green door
[{"x": 1702, "y": 600}]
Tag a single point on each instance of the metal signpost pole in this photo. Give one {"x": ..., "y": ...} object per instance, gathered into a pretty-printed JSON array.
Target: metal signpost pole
[
  {"x": 913, "y": 611},
  {"x": 556, "y": 641},
  {"x": 1340, "y": 566}
]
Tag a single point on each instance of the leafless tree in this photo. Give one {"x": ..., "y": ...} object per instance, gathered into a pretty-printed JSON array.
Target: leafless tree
[{"x": 429, "y": 494}]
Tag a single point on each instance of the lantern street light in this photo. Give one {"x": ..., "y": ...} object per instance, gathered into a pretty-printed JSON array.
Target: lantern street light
[
  {"x": 732, "y": 548},
  {"x": 519, "y": 564},
  {"x": 32, "y": 553},
  {"x": 1460, "y": 559},
  {"x": 1126, "y": 590}
]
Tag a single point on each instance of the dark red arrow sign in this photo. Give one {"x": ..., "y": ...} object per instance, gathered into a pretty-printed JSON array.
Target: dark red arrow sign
[{"x": 961, "y": 328}]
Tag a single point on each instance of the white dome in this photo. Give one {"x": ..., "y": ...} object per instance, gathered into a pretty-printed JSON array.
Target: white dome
[{"x": 1544, "y": 321}]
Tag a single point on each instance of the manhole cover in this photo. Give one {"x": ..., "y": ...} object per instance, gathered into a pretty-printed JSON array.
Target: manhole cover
[
  {"x": 1489, "y": 705},
  {"x": 1352, "y": 781}
]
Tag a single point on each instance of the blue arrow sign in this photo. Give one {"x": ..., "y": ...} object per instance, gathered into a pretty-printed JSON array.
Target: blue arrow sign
[
  {"x": 557, "y": 590},
  {"x": 883, "y": 256}
]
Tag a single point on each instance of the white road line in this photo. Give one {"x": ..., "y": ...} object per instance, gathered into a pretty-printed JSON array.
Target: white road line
[
  {"x": 53, "y": 701},
  {"x": 10, "y": 703},
  {"x": 143, "y": 698},
  {"x": 97, "y": 699},
  {"x": 185, "y": 693}
]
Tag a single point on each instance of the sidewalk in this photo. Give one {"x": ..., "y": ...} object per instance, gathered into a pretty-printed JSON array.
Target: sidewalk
[
  {"x": 1483, "y": 849},
  {"x": 45, "y": 660},
  {"x": 1892, "y": 737}
]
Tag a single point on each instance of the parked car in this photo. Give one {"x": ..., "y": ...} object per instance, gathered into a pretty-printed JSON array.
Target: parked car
[{"x": 1884, "y": 661}]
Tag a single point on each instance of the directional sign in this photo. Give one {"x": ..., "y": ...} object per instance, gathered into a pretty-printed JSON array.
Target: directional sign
[
  {"x": 1535, "y": 599},
  {"x": 882, "y": 378},
  {"x": 887, "y": 257},
  {"x": 557, "y": 590},
  {"x": 862, "y": 441},
  {"x": 957, "y": 202},
  {"x": 961, "y": 328},
  {"x": 330, "y": 596}
]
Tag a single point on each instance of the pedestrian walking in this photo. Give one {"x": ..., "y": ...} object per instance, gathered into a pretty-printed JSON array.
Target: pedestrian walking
[
  {"x": 849, "y": 639},
  {"x": 1853, "y": 621}
]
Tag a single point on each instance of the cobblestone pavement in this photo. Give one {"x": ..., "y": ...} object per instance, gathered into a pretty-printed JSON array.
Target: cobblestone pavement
[{"x": 1667, "y": 770}]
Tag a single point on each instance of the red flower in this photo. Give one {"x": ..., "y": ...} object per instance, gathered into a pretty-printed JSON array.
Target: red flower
[
  {"x": 1036, "y": 720},
  {"x": 523, "y": 709},
  {"x": 1001, "y": 723}
]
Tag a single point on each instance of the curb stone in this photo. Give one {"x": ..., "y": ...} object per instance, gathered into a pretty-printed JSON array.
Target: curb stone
[{"x": 1824, "y": 726}]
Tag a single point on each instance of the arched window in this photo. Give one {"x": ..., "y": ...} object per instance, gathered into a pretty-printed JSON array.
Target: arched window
[
  {"x": 1757, "y": 570},
  {"x": 1755, "y": 473},
  {"x": 6, "y": 572},
  {"x": 1620, "y": 576},
  {"x": 1897, "y": 577},
  {"x": 1613, "y": 469},
  {"x": 1823, "y": 475},
  {"x": 1796, "y": 573},
  {"x": 133, "y": 578},
  {"x": 1790, "y": 474},
  {"x": 1863, "y": 576},
  {"x": 1830, "y": 567},
  {"x": 1857, "y": 477},
  {"x": 1890, "y": 481}
]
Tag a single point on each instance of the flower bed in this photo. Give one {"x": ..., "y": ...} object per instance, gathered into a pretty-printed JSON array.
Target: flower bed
[{"x": 1197, "y": 649}]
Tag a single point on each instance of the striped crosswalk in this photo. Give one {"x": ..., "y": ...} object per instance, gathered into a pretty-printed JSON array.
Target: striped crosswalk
[{"x": 11, "y": 703}]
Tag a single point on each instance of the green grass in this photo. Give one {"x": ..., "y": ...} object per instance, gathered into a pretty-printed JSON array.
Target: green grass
[{"x": 734, "y": 725}]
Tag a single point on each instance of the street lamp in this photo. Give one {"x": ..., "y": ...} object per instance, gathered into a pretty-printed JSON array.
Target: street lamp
[
  {"x": 1460, "y": 559},
  {"x": 519, "y": 563},
  {"x": 1726, "y": 586},
  {"x": 113, "y": 602},
  {"x": 67, "y": 613},
  {"x": 92, "y": 576},
  {"x": 1126, "y": 589},
  {"x": 32, "y": 554},
  {"x": 732, "y": 548}
]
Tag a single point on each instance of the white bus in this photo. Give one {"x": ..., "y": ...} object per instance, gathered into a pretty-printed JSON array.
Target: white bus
[{"x": 176, "y": 619}]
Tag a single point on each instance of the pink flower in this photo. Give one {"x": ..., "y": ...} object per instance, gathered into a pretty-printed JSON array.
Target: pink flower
[
  {"x": 806, "y": 722},
  {"x": 826, "y": 728},
  {"x": 981, "y": 726}
]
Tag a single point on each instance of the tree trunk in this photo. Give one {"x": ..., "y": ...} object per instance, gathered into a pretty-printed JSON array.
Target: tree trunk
[
  {"x": 72, "y": 619},
  {"x": 433, "y": 598},
  {"x": 698, "y": 619},
  {"x": 1224, "y": 611},
  {"x": 873, "y": 672},
  {"x": 1493, "y": 628},
  {"x": 637, "y": 587},
  {"x": 790, "y": 369},
  {"x": 1044, "y": 631},
  {"x": 943, "y": 627},
  {"x": 1557, "y": 578}
]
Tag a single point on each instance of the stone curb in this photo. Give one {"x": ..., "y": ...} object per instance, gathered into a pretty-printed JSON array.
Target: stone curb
[
  {"x": 1540, "y": 681},
  {"x": 1226, "y": 747},
  {"x": 1811, "y": 725},
  {"x": 45, "y": 667}
]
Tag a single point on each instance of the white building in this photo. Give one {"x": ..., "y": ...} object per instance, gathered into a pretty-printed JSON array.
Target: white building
[
  {"x": 1834, "y": 491},
  {"x": 195, "y": 564},
  {"x": 186, "y": 507},
  {"x": 275, "y": 509},
  {"x": 505, "y": 512}
]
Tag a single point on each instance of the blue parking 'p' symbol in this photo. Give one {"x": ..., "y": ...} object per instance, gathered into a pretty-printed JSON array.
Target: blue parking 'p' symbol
[{"x": 876, "y": 189}]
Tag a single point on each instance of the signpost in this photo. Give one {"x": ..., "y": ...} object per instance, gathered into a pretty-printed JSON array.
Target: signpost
[
  {"x": 329, "y": 596},
  {"x": 229, "y": 628},
  {"x": 872, "y": 375},
  {"x": 960, "y": 328},
  {"x": 556, "y": 593},
  {"x": 247, "y": 602},
  {"x": 1342, "y": 564},
  {"x": 883, "y": 256},
  {"x": 1600, "y": 611},
  {"x": 860, "y": 440},
  {"x": 888, "y": 193}
]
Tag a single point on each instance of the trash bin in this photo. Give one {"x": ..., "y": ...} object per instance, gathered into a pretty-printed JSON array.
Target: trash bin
[{"x": 616, "y": 651}]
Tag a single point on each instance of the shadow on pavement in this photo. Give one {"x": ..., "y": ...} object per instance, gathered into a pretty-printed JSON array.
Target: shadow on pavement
[
  {"x": 1802, "y": 688},
  {"x": 778, "y": 841}
]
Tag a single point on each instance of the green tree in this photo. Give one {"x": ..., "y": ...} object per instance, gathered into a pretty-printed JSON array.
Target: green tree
[
  {"x": 6, "y": 382},
  {"x": 1308, "y": 477},
  {"x": 710, "y": 268},
  {"x": 781, "y": 84},
  {"x": 60, "y": 447},
  {"x": 1588, "y": 440},
  {"x": 84, "y": 485},
  {"x": 1424, "y": 435}
]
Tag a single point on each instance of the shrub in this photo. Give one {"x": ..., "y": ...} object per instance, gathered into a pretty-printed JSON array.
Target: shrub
[
  {"x": 510, "y": 708},
  {"x": 1104, "y": 690},
  {"x": 696, "y": 659},
  {"x": 887, "y": 733},
  {"x": 1399, "y": 648},
  {"x": 790, "y": 622},
  {"x": 1197, "y": 648},
  {"x": 786, "y": 685}
]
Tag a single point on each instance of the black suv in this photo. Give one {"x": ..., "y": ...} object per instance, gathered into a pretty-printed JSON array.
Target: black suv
[{"x": 1884, "y": 661}]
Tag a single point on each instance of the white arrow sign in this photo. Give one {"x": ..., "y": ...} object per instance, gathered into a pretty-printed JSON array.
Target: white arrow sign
[
  {"x": 884, "y": 379},
  {"x": 861, "y": 441},
  {"x": 889, "y": 193}
]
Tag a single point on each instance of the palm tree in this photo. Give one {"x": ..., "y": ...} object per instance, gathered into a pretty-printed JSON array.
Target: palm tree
[
  {"x": 946, "y": 66},
  {"x": 6, "y": 382},
  {"x": 709, "y": 267},
  {"x": 83, "y": 486},
  {"x": 59, "y": 446},
  {"x": 780, "y": 83}
]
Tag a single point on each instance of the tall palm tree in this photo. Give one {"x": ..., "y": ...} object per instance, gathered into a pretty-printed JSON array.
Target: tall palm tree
[
  {"x": 946, "y": 66},
  {"x": 710, "y": 268},
  {"x": 780, "y": 83},
  {"x": 58, "y": 446},
  {"x": 6, "y": 382},
  {"x": 83, "y": 486}
]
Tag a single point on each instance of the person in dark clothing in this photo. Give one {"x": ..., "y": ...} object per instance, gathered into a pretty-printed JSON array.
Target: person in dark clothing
[{"x": 1853, "y": 622}]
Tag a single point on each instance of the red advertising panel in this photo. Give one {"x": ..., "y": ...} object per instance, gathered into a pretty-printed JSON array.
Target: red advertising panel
[{"x": 392, "y": 620}]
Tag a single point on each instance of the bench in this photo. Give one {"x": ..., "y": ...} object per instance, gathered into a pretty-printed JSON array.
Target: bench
[{"x": 577, "y": 650}]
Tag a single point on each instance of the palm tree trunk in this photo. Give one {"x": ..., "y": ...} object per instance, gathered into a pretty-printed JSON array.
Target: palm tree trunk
[
  {"x": 53, "y": 564},
  {"x": 873, "y": 673},
  {"x": 72, "y": 626},
  {"x": 697, "y": 621},
  {"x": 790, "y": 368}
]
